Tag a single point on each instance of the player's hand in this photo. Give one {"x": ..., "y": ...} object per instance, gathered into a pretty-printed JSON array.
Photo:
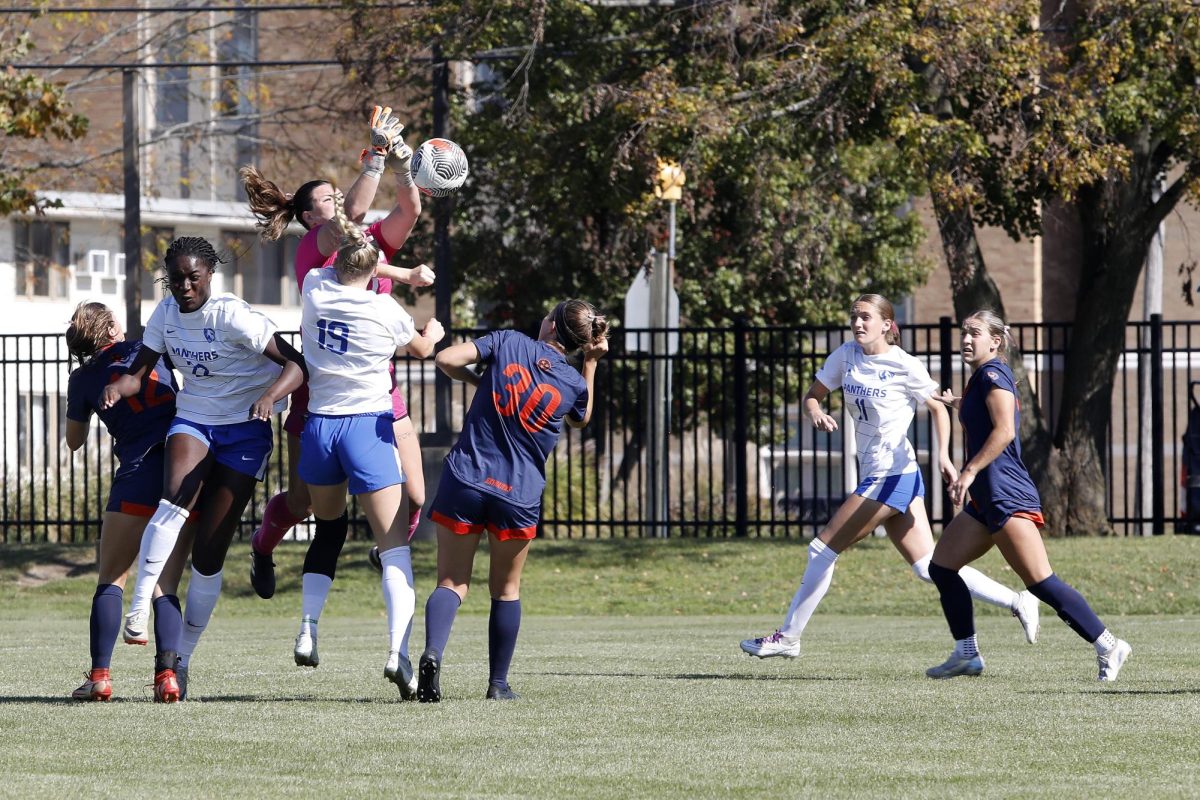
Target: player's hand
[
  {"x": 596, "y": 350},
  {"x": 386, "y": 131},
  {"x": 958, "y": 488},
  {"x": 823, "y": 422},
  {"x": 947, "y": 397},
  {"x": 433, "y": 330},
  {"x": 262, "y": 408},
  {"x": 110, "y": 397},
  {"x": 949, "y": 473},
  {"x": 118, "y": 390},
  {"x": 421, "y": 275}
]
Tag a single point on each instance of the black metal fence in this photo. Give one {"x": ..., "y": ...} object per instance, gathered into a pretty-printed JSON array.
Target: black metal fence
[{"x": 696, "y": 432}]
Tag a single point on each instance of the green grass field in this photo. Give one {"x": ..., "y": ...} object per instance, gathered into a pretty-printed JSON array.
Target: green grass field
[{"x": 632, "y": 685}]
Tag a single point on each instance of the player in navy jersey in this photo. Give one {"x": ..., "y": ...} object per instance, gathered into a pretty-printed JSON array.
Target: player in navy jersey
[
  {"x": 1002, "y": 509},
  {"x": 494, "y": 475},
  {"x": 138, "y": 426},
  {"x": 882, "y": 386},
  {"x": 219, "y": 440}
]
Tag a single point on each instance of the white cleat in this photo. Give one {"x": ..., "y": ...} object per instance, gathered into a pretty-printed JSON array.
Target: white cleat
[
  {"x": 136, "y": 623},
  {"x": 306, "y": 650},
  {"x": 1112, "y": 661},
  {"x": 1028, "y": 613},
  {"x": 399, "y": 671},
  {"x": 957, "y": 665},
  {"x": 774, "y": 645}
]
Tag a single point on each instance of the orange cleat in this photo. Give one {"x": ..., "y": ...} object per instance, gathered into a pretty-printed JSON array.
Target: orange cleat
[
  {"x": 98, "y": 686},
  {"x": 166, "y": 688}
]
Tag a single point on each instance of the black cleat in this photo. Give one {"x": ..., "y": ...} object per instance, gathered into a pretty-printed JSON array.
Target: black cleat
[
  {"x": 374, "y": 560},
  {"x": 262, "y": 574},
  {"x": 505, "y": 692},
  {"x": 429, "y": 689}
]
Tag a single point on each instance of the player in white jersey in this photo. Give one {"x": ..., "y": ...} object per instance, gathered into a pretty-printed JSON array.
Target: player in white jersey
[
  {"x": 881, "y": 385},
  {"x": 350, "y": 335},
  {"x": 236, "y": 371}
]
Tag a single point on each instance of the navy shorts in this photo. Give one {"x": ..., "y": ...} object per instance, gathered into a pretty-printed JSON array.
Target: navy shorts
[
  {"x": 357, "y": 448},
  {"x": 244, "y": 447},
  {"x": 137, "y": 484},
  {"x": 463, "y": 509},
  {"x": 994, "y": 517},
  {"x": 894, "y": 491}
]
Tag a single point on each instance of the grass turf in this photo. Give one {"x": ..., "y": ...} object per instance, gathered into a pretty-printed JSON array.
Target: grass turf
[{"x": 632, "y": 686}]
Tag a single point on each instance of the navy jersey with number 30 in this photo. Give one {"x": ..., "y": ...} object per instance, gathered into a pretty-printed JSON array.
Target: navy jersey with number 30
[{"x": 516, "y": 418}]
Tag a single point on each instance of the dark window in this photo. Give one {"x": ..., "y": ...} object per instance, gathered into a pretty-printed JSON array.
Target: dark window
[
  {"x": 154, "y": 246},
  {"x": 41, "y": 254}
]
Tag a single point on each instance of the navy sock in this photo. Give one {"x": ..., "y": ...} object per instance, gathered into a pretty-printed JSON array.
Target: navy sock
[
  {"x": 440, "y": 609},
  {"x": 105, "y": 622},
  {"x": 956, "y": 600},
  {"x": 503, "y": 626},
  {"x": 326, "y": 546},
  {"x": 168, "y": 624},
  {"x": 1070, "y": 606}
]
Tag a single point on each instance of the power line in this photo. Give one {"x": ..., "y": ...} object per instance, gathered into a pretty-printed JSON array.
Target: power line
[{"x": 192, "y": 9}]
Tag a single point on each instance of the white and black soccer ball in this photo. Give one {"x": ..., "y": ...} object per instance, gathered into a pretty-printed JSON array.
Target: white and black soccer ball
[{"x": 439, "y": 167}]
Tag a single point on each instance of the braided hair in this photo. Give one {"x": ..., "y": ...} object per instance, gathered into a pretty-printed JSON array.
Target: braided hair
[
  {"x": 90, "y": 329},
  {"x": 196, "y": 246},
  {"x": 356, "y": 255},
  {"x": 274, "y": 207},
  {"x": 576, "y": 324}
]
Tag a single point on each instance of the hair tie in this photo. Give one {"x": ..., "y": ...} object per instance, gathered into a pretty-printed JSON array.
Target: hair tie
[{"x": 1006, "y": 330}]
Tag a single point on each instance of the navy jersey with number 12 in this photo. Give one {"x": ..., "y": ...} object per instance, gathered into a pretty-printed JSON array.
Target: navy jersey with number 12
[{"x": 516, "y": 418}]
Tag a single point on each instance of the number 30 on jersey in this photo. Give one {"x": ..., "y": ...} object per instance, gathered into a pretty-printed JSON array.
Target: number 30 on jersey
[{"x": 532, "y": 414}]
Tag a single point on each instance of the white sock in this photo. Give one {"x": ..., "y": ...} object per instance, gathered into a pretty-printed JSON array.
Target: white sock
[
  {"x": 989, "y": 591},
  {"x": 813, "y": 586},
  {"x": 202, "y": 595},
  {"x": 966, "y": 648},
  {"x": 314, "y": 589},
  {"x": 158, "y": 540},
  {"x": 1104, "y": 642},
  {"x": 398, "y": 595}
]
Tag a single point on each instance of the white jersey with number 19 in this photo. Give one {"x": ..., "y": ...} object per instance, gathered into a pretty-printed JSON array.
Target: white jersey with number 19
[
  {"x": 881, "y": 393},
  {"x": 349, "y": 335}
]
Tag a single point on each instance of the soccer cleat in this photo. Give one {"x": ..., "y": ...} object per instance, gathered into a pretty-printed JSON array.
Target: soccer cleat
[
  {"x": 1028, "y": 613},
  {"x": 262, "y": 574},
  {"x": 957, "y": 665},
  {"x": 774, "y": 645},
  {"x": 399, "y": 671},
  {"x": 97, "y": 686},
  {"x": 181, "y": 678},
  {"x": 429, "y": 687},
  {"x": 1112, "y": 661},
  {"x": 505, "y": 692},
  {"x": 166, "y": 687},
  {"x": 374, "y": 559},
  {"x": 306, "y": 650},
  {"x": 135, "y": 627}
]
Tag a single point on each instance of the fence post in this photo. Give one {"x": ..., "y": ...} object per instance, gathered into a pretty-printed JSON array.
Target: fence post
[
  {"x": 946, "y": 368},
  {"x": 1156, "y": 421},
  {"x": 740, "y": 428}
]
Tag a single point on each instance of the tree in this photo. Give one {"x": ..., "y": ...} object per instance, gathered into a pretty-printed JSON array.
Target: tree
[{"x": 31, "y": 109}]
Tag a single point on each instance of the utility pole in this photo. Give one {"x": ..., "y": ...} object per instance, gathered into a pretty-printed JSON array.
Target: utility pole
[
  {"x": 444, "y": 286},
  {"x": 133, "y": 207}
]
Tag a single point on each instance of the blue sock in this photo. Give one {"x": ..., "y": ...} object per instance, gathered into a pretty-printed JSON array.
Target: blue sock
[
  {"x": 956, "y": 600},
  {"x": 503, "y": 626},
  {"x": 1070, "y": 606},
  {"x": 107, "y": 603},
  {"x": 168, "y": 624},
  {"x": 440, "y": 609}
]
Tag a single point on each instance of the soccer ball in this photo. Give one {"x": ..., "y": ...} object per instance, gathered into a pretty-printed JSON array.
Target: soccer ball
[{"x": 439, "y": 167}]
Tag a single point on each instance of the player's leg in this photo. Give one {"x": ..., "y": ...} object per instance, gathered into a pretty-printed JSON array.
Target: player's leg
[
  {"x": 320, "y": 565},
  {"x": 509, "y": 549},
  {"x": 455, "y": 558},
  {"x": 282, "y": 513},
  {"x": 188, "y": 460},
  {"x": 170, "y": 679},
  {"x": 855, "y": 519},
  {"x": 964, "y": 540},
  {"x": 408, "y": 446},
  {"x": 383, "y": 508},
  {"x": 912, "y": 536},
  {"x": 1021, "y": 543}
]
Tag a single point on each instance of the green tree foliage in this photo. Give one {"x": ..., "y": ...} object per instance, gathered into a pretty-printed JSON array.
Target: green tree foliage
[{"x": 30, "y": 109}]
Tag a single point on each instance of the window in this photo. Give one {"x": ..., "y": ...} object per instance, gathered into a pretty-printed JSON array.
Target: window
[
  {"x": 41, "y": 253},
  {"x": 256, "y": 268}
]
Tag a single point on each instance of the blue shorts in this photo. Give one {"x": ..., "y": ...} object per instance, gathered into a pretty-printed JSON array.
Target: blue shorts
[
  {"x": 894, "y": 491},
  {"x": 463, "y": 508},
  {"x": 357, "y": 448},
  {"x": 137, "y": 484},
  {"x": 244, "y": 447}
]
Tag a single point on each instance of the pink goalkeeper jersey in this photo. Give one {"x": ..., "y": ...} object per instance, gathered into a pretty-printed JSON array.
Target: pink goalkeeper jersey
[{"x": 309, "y": 257}]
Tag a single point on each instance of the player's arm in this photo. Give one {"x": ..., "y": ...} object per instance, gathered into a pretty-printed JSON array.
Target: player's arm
[
  {"x": 941, "y": 429},
  {"x": 294, "y": 374},
  {"x": 456, "y": 362},
  {"x": 1001, "y": 406},
  {"x": 814, "y": 408},
  {"x": 423, "y": 344},
  {"x": 592, "y": 353},
  {"x": 130, "y": 383},
  {"x": 76, "y": 434},
  {"x": 420, "y": 275}
]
